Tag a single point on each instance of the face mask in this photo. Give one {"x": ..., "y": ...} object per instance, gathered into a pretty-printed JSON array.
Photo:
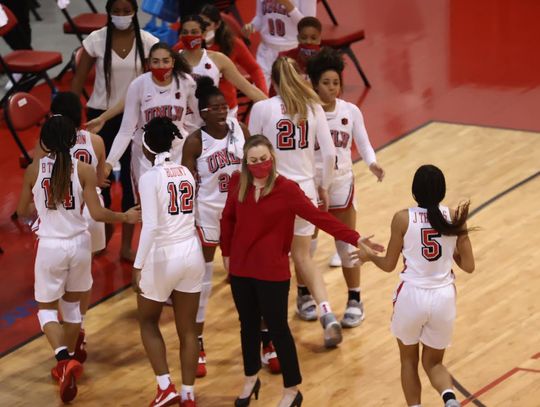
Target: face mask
[
  {"x": 308, "y": 50},
  {"x": 261, "y": 170},
  {"x": 210, "y": 35},
  {"x": 191, "y": 42},
  {"x": 122, "y": 22},
  {"x": 160, "y": 73}
]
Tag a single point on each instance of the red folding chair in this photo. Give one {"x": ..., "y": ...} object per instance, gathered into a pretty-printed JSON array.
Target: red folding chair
[
  {"x": 21, "y": 112},
  {"x": 31, "y": 64},
  {"x": 341, "y": 38},
  {"x": 85, "y": 23}
]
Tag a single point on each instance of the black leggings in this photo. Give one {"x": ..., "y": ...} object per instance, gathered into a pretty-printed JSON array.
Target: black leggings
[
  {"x": 267, "y": 299},
  {"x": 108, "y": 133}
]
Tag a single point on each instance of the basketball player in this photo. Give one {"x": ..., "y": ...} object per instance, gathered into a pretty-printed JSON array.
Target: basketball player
[
  {"x": 211, "y": 63},
  {"x": 166, "y": 91},
  {"x": 59, "y": 186},
  {"x": 428, "y": 236},
  {"x": 346, "y": 124},
  {"x": 169, "y": 261},
  {"x": 309, "y": 42},
  {"x": 277, "y": 20},
  {"x": 212, "y": 154},
  {"x": 294, "y": 121}
]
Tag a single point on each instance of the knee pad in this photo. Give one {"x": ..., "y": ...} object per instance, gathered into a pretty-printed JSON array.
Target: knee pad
[
  {"x": 47, "y": 315},
  {"x": 206, "y": 290},
  {"x": 344, "y": 249},
  {"x": 71, "y": 311}
]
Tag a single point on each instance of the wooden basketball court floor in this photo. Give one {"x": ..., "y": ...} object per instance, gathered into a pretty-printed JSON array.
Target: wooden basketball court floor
[{"x": 495, "y": 355}]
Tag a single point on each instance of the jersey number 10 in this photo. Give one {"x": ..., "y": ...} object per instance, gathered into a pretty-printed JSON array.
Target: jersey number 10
[{"x": 185, "y": 204}]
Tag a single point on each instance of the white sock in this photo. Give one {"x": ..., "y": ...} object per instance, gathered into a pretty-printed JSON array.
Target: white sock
[
  {"x": 71, "y": 354},
  {"x": 163, "y": 381},
  {"x": 188, "y": 392},
  {"x": 59, "y": 349},
  {"x": 447, "y": 391},
  {"x": 324, "y": 308},
  {"x": 313, "y": 247}
]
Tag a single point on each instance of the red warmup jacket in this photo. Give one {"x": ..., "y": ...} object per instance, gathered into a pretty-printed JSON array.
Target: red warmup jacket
[
  {"x": 257, "y": 236},
  {"x": 241, "y": 57}
]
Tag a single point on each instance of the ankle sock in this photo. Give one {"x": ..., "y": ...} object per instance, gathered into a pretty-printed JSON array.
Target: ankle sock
[
  {"x": 303, "y": 290},
  {"x": 61, "y": 353},
  {"x": 187, "y": 393},
  {"x": 448, "y": 394},
  {"x": 324, "y": 308},
  {"x": 354, "y": 294},
  {"x": 201, "y": 343},
  {"x": 163, "y": 381}
]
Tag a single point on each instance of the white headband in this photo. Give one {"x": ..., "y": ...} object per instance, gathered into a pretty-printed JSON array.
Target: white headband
[{"x": 160, "y": 157}]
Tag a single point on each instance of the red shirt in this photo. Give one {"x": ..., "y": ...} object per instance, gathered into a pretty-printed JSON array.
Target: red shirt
[
  {"x": 257, "y": 236},
  {"x": 241, "y": 57}
]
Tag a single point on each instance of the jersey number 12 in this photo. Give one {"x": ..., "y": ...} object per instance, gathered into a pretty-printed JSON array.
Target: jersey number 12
[{"x": 185, "y": 193}]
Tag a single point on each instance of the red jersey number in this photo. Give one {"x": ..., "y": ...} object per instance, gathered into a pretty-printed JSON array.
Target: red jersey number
[
  {"x": 287, "y": 131},
  {"x": 431, "y": 248},
  {"x": 69, "y": 201},
  {"x": 83, "y": 155},
  {"x": 185, "y": 193},
  {"x": 223, "y": 181},
  {"x": 276, "y": 27}
]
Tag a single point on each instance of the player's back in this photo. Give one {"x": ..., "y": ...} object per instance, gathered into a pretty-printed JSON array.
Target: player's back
[
  {"x": 172, "y": 188},
  {"x": 427, "y": 254},
  {"x": 83, "y": 149},
  {"x": 61, "y": 220}
]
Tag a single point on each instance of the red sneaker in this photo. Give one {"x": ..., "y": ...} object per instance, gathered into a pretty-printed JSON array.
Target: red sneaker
[
  {"x": 270, "y": 359},
  {"x": 67, "y": 372},
  {"x": 201, "y": 367},
  {"x": 167, "y": 397},
  {"x": 80, "y": 348},
  {"x": 188, "y": 403}
]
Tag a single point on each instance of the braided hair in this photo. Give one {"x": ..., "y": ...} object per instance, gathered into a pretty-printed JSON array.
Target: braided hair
[
  {"x": 159, "y": 134},
  {"x": 58, "y": 135}
]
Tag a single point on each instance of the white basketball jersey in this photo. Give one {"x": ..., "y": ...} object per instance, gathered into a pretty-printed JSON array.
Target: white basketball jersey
[
  {"x": 216, "y": 165},
  {"x": 169, "y": 101},
  {"x": 170, "y": 188},
  {"x": 206, "y": 67},
  {"x": 83, "y": 149},
  {"x": 427, "y": 254},
  {"x": 293, "y": 141},
  {"x": 65, "y": 220}
]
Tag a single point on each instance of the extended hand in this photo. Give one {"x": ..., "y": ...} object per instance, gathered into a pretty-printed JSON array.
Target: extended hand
[
  {"x": 377, "y": 170},
  {"x": 247, "y": 30},
  {"x": 324, "y": 198},
  {"x": 133, "y": 214},
  {"x": 95, "y": 125}
]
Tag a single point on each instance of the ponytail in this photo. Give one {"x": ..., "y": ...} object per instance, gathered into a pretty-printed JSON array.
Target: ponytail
[
  {"x": 58, "y": 135},
  {"x": 295, "y": 92},
  {"x": 443, "y": 226}
]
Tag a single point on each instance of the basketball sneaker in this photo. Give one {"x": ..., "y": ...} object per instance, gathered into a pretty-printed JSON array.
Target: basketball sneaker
[
  {"x": 335, "y": 261},
  {"x": 354, "y": 314},
  {"x": 80, "y": 348},
  {"x": 332, "y": 330},
  {"x": 66, "y": 372},
  {"x": 189, "y": 402},
  {"x": 167, "y": 397},
  {"x": 452, "y": 403},
  {"x": 306, "y": 307},
  {"x": 201, "y": 366},
  {"x": 269, "y": 358}
]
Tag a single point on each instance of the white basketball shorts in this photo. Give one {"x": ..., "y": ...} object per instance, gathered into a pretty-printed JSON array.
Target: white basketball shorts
[
  {"x": 340, "y": 191},
  {"x": 207, "y": 219},
  {"x": 301, "y": 226}
]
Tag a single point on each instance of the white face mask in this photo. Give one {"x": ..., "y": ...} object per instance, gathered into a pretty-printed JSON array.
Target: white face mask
[
  {"x": 122, "y": 22},
  {"x": 210, "y": 35}
]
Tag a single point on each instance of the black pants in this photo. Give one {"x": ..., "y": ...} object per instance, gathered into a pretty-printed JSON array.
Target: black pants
[
  {"x": 108, "y": 133},
  {"x": 21, "y": 35},
  {"x": 267, "y": 299}
]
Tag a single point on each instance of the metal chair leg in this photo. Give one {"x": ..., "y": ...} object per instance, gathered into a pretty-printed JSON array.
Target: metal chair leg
[
  {"x": 330, "y": 12},
  {"x": 351, "y": 55}
]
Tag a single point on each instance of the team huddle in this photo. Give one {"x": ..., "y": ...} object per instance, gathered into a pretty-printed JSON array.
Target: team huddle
[{"x": 198, "y": 178}]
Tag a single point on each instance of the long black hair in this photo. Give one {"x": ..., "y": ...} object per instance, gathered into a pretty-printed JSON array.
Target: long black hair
[
  {"x": 159, "y": 134},
  {"x": 181, "y": 67},
  {"x": 327, "y": 59},
  {"x": 198, "y": 19},
  {"x": 205, "y": 90},
  {"x": 224, "y": 36},
  {"x": 68, "y": 104},
  {"x": 107, "y": 59},
  {"x": 429, "y": 189},
  {"x": 58, "y": 135}
]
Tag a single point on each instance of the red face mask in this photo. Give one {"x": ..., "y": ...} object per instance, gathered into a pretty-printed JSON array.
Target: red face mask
[
  {"x": 261, "y": 170},
  {"x": 191, "y": 42},
  {"x": 308, "y": 50},
  {"x": 160, "y": 73}
]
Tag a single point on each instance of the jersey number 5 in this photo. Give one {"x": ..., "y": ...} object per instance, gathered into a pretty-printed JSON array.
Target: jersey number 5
[
  {"x": 287, "y": 132},
  {"x": 431, "y": 248},
  {"x": 185, "y": 205}
]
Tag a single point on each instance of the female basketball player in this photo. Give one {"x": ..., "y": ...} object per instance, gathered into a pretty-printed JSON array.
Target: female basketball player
[
  {"x": 211, "y": 63},
  {"x": 212, "y": 154},
  {"x": 166, "y": 91},
  {"x": 428, "y": 236},
  {"x": 277, "y": 21},
  {"x": 260, "y": 215},
  {"x": 346, "y": 124},
  {"x": 294, "y": 121},
  {"x": 169, "y": 260},
  {"x": 59, "y": 186}
]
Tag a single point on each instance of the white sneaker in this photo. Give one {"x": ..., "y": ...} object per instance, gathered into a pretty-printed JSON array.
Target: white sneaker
[
  {"x": 306, "y": 307},
  {"x": 332, "y": 330},
  {"x": 452, "y": 403},
  {"x": 354, "y": 314},
  {"x": 335, "y": 261}
]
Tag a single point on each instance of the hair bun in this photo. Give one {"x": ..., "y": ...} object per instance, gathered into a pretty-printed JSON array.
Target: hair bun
[{"x": 204, "y": 84}]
